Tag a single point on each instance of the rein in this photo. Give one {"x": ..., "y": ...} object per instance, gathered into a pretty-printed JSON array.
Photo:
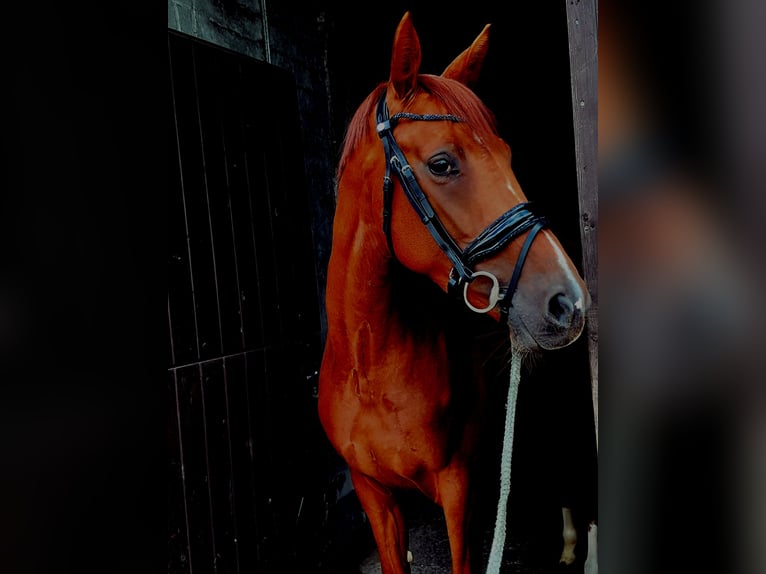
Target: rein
[
  {"x": 495, "y": 559},
  {"x": 493, "y": 239}
]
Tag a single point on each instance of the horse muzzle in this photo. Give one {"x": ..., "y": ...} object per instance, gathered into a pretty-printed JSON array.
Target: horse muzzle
[{"x": 556, "y": 321}]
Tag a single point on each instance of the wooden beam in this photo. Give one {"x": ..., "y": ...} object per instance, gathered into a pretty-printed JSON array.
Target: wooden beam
[{"x": 582, "y": 23}]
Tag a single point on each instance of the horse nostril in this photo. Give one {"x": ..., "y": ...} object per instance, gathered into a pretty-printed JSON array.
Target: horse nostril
[{"x": 561, "y": 309}]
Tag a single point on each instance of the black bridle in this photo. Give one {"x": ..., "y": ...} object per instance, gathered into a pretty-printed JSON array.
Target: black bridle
[{"x": 493, "y": 239}]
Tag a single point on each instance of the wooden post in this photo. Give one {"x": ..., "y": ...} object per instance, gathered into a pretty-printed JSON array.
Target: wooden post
[{"x": 582, "y": 23}]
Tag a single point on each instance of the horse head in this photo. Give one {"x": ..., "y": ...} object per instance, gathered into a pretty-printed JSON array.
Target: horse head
[{"x": 455, "y": 210}]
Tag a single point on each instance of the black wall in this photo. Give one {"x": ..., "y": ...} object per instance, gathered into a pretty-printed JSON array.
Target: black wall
[{"x": 246, "y": 455}]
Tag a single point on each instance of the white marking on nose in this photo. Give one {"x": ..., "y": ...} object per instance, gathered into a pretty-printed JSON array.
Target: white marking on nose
[{"x": 564, "y": 263}]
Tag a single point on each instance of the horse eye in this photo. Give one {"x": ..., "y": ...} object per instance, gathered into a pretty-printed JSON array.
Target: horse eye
[{"x": 442, "y": 166}]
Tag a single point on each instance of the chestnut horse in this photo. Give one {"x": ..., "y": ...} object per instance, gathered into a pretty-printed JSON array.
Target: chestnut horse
[{"x": 425, "y": 191}]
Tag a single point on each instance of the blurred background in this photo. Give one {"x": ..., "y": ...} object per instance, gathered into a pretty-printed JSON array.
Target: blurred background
[{"x": 681, "y": 204}]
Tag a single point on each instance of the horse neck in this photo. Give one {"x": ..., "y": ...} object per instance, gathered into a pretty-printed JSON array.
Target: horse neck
[
  {"x": 357, "y": 282},
  {"x": 377, "y": 309},
  {"x": 385, "y": 318},
  {"x": 366, "y": 286}
]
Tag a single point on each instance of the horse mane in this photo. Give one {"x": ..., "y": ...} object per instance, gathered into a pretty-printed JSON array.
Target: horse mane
[{"x": 455, "y": 96}]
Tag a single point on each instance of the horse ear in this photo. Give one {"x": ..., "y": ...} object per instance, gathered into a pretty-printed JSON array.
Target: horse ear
[
  {"x": 406, "y": 57},
  {"x": 467, "y": 66}
]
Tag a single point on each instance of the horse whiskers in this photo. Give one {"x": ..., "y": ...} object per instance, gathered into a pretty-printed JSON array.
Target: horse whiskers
[
  {"x": 504, "y": 361},
  {"x": 502, "y": 347},
  {"x": 503, "y": 355}
]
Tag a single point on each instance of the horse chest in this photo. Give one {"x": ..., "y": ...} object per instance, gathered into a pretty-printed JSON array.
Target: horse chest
[{"x": 400, "y": 422}]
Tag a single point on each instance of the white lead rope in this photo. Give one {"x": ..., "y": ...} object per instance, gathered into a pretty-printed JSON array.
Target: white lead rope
[{"x": 498, "y": 541}]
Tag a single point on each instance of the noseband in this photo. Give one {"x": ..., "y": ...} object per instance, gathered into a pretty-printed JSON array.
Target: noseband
[{"x": 493, "y": 239}]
